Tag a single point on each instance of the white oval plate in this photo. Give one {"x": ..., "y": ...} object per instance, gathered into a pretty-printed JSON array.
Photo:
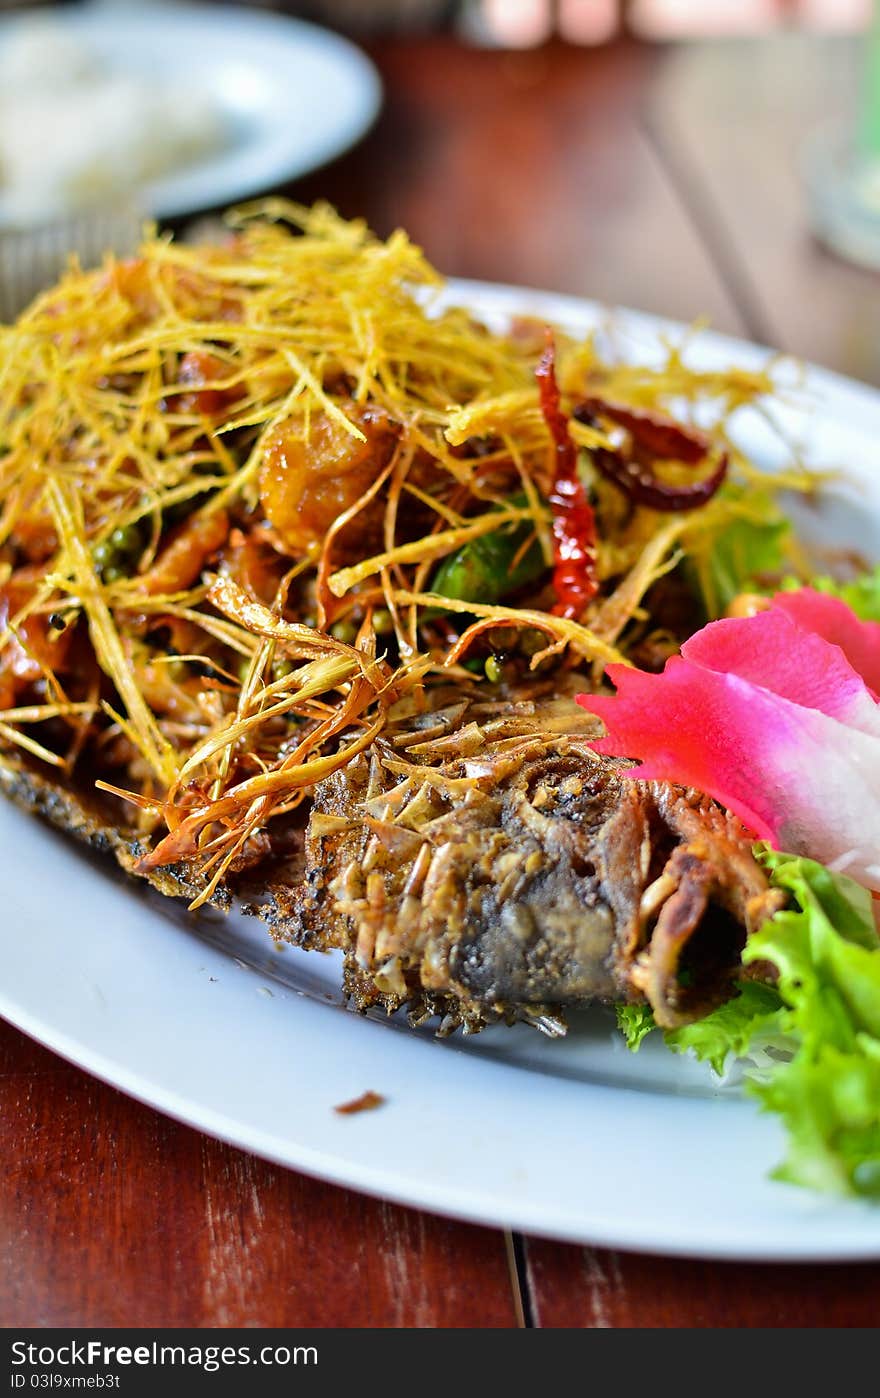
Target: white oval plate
[
  {"x": 575, "y": 1139},
  {"x": 291, "y": 95}
]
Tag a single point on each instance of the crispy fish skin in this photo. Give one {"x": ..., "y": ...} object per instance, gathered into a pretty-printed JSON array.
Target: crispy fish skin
[
  {"x": 90, "y": 821},
  {"x": 479, "y": 863},
  {"x": 482, "y": 867}
]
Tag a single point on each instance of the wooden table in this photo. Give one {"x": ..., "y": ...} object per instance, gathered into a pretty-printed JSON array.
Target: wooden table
[{"x": 663, "y": 179}]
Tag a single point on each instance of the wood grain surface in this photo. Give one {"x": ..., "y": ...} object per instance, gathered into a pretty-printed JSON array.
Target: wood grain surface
[
  {"x": 112, "y": 1215},
  {"x": 599, "y": 1289},
  {"x": 532, "y": 168},
  {"x": 658, "y": 178},
  {"x": 736, "y": 127}
]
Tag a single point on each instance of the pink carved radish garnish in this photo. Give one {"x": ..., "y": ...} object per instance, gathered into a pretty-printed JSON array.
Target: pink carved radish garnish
[{"x": 776, "y": 716}]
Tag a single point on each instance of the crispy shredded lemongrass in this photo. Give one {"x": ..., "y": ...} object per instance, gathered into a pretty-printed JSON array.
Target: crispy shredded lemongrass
[
  {"x": 655, "y": 559},
  {"x": 424, "y": 550},
  {"x": 571, "y": 633},
  {"x": 24, "y": 740},
  {"x": 36, "y": 713},
  {"x": 302, "y": 641},
  {"x": 318, "y": 677},
  {"x": 211, "y": 633},
  {"x": 77, "y": 577}
]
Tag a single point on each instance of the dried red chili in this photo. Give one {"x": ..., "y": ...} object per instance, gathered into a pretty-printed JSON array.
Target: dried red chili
[
  {"x": 651, "y": 437},
  {"x": 574, "y": 524}
]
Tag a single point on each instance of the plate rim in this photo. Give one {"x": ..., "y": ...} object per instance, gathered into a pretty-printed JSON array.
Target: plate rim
[{"x": 541, "y": 1217}]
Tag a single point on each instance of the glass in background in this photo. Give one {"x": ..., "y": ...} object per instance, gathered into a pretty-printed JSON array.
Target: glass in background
[{"x": 842, "y": 167}]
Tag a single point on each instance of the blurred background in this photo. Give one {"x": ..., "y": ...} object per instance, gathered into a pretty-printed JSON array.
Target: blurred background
[
  {"x": 696, "y": 158},
  {"x": 529, "y": 22}
]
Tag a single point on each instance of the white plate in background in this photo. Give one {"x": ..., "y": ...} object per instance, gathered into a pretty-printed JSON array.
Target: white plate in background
[{"x": 290, "y": 95}]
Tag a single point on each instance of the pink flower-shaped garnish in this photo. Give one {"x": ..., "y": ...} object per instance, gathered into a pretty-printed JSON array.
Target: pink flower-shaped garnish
[{"x": 774, "y": 715}]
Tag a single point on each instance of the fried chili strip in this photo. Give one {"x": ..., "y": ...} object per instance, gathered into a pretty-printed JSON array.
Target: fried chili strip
[
  {"x": 649, "y": 438},
  {"x": 655, "y": 433},
  {"x": 574, "y": 524}
]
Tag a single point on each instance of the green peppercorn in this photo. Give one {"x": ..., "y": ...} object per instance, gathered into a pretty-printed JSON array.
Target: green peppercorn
[
  {"x": 127, "y": 539},
  {"x": 383, "y": 621},
  {"x": 344, "y": 631}
]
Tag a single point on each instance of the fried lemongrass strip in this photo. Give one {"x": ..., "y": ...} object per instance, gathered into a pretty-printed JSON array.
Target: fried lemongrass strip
[
  {"x": 251, "y": 685},
  {"x": 489, "y": 415},
  {"x": 222, "y": 862},
  {"x": 143, "y": 731},
  {"x": 23, "y": 740},
  {"x": 403, "y": 460},
  {"x": 645, "y": 386},
  {"x": 181, "y": 843},
  {"x": 408, "y": 643},
  {"x": 303, "y": 641},
  {"x": 254, "y": 692},
  {"x": 543, "y": 527},
  {"x": 325, "y": 606},
  {"x": 252, "y": 802},
  {"x": 653, "y": 562},
  {"x": 452, "y": 517},
  {"x": 431, "y": 547},
  {"x": 150, "y": 501},
  {"x": 194, "y": 659},
  {"x": 36, "y": 713},
  {"x": 806, "y": 480},
  {"x": 322, "y": 675},
  {"x": 324, "y": 401},
  {"x": 228, "y": 633},
  {"x": 579, "y": 638}
]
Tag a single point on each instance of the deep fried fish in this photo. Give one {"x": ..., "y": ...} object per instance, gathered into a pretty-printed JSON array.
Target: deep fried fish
[{"x": 482, "y": 862}]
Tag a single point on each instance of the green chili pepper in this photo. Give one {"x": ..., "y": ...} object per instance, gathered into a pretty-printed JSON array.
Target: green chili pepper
[{"x": 488, "y": 568}]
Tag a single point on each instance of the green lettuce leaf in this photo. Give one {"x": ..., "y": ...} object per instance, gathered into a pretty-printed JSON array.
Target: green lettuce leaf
[
  {"x": 634, "y": 1022},
  {"x": 826, "y": 950},
  {"x": 743, "y": 1027},
  {"x": 746, "y": 542},
  {"x": 813, "y": 1041},
  {"x": 862, "y": 594}
]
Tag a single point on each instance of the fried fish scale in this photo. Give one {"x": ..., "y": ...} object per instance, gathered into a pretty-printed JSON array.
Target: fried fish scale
[
  {"x": 482, "y": 863},
  {"x": 479, "y": 863}
]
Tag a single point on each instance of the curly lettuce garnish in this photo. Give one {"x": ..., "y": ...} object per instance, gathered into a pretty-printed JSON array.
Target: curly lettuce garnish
[
  {"x": 635, "y": 1022},
  {"x": 813, "y": 1039},
  {"x": 827, "y": 953}
]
